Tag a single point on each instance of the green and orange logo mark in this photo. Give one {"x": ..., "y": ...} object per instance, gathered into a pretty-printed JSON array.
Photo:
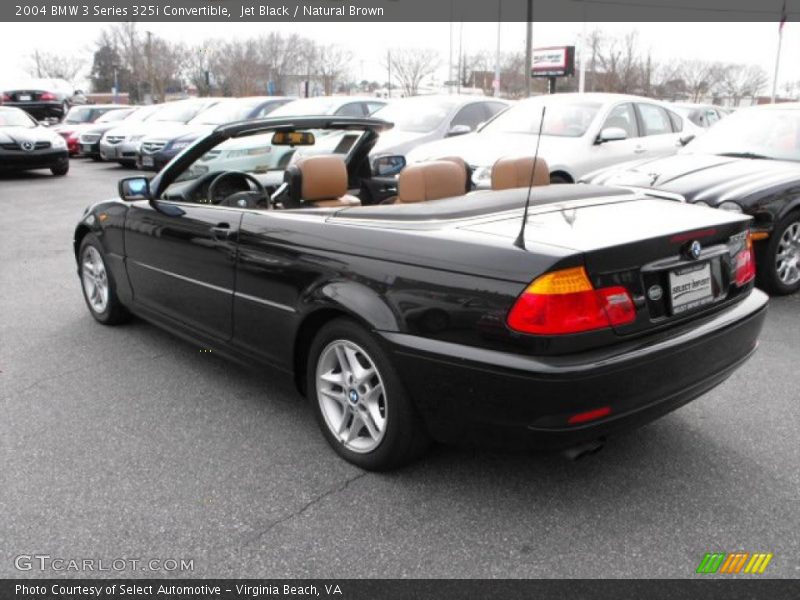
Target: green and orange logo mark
[{"x": 734, "y": 563}]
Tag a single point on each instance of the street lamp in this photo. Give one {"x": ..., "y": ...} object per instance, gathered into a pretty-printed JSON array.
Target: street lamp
[{"x": 116, "y": 84}]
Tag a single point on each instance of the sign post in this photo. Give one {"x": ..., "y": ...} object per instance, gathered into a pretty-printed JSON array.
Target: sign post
[{"x": 553, "y": 62}]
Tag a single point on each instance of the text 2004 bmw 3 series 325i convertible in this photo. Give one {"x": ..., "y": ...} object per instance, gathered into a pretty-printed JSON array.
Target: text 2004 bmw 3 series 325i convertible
[{"x": 403, "y": 308}]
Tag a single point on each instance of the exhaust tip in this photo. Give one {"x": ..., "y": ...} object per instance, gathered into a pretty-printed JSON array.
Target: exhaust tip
[{"x": 579, "y": 451}]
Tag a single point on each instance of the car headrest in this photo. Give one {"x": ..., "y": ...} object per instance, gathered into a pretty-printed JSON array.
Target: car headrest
[
  {"x": 314, "y": 178},
  {"x": 462, "y": 164},
  {"x": 430, "y": 181},
  {"x": 510, "y": 173}
]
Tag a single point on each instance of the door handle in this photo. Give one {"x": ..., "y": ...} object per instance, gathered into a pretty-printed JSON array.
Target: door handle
[{"x": 222, "y": 231}]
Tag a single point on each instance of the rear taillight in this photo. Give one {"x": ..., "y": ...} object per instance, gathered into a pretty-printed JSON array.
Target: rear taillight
[
  {"x": 744, "y": 263},
  {"x": 6, "y": 98},
  {"x": 565, "y": 301},
  {"x": 47, "y": 96}
]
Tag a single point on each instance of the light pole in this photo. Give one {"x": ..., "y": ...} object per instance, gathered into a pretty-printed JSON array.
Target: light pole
[
  {"x": 116, "y": 85},
  {"x": 528, "y": 49}
]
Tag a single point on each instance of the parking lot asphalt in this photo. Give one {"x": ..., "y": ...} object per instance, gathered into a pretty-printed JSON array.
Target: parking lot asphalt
[{"x": 129, "y": 443}]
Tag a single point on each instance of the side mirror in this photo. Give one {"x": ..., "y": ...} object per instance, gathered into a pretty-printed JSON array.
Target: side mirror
[
  {"x": 134, "y": 188},
  {"x": 612, "y": 134},
  {"x": 458, "y": 130},
  {"x": 78, "y": 93},
  {"x": 385, "y": 166},
  {"x": 686, "y": 139}
]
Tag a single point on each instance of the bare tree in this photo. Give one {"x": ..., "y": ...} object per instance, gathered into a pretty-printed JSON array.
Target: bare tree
[
  {"x": 411, "y": 65},
  {"x": 742, "y": 81},
  {"x": 331, "y": 66},
  {"x": 46, "y": 64},
  {"x": 700, "y": 77},
  {"x": 167, "y": 62}
]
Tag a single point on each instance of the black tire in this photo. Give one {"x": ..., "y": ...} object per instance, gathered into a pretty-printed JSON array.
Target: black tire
[
  {"x": 96, "y": 158},
  {"x": 60, "y": 169},
  {"x": 114, "y": 312},
  {"x": 557, "y": 178},
  {"x": 766, "y": 256},
  {"x": 405, "y": 437}
]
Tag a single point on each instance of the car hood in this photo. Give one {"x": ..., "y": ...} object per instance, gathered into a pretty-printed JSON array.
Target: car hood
[
  {"x": 483, "y": 149},
  {"x": 395, "y": 141},
  {"x": 708, "y": 178},
  {"x": 24, "y": 134},
  {"x": 143, "y": 128}
]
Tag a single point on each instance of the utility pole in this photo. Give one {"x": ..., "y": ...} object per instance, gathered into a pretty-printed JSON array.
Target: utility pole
[
  {"x": 529, "y": 50},
  {"x": 496, "y": 82},
  {"x": 388, "y": 73},
  {"x": 150, "y": 65}
]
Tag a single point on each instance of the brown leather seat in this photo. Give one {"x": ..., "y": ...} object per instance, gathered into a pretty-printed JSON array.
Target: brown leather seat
[
  {"x": 508, "y": 173},
  {"x": 320, "y": 181},
  {"x": 430, "y": 181}
]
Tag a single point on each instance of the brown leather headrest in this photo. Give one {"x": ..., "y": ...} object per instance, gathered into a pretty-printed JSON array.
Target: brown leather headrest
[
  {"x": 510, "y": 173},
  {"x": 323, "y": 177},
  {"x": 430, "y": 181}
]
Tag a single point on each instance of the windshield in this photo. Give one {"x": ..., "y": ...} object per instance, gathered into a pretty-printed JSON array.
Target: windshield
[
  {"x": 756, "y": 133},
  {"x": 225, "y": 112},
  {"x": 143, "y": 113},
  {"x": 255, "y": 154},
  {"x": 114, "y": 115},
  {"x": 83, "y": 114},
  {"x": 15, "y": 118},
  {"x": 419, "y": 115},
  {"x": 562, "y": 119},
  {"x": 323, "y": 105},
  {"x": 179, "y": 112}
]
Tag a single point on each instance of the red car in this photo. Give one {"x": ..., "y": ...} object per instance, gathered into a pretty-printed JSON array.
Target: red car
[{"x": 78, "y": 118}]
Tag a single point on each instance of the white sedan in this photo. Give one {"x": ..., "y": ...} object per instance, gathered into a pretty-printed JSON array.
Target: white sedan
[{"x": 581, "y": 133}]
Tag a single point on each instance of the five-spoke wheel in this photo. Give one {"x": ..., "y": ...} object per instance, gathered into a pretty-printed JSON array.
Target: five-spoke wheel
[{"x": 361, "y": 405}]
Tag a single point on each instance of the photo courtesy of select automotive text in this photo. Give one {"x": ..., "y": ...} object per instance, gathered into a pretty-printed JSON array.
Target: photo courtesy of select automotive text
[{"x": 399, "y": 299}]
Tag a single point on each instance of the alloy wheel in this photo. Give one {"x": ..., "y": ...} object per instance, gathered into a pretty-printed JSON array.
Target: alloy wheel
[
  {"x": 94, "y": 279},
  {"x": 787, "y": 255},
  {"x": 351, "y": 396}
]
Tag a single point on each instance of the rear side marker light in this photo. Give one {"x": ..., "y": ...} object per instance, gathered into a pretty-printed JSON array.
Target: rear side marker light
[
  {"x": 565, "y": 301},
  {"x": 589, "y": 415},
  {"x": 744, "y": 263},
  {"x": 47, "y": 96}
]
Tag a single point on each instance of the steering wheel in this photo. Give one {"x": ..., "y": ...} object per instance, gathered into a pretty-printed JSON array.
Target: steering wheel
[{"x": 242, "y": 199}]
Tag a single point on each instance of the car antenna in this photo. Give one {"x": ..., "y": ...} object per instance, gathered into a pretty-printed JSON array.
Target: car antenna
[{"x": 520, "y": 241}]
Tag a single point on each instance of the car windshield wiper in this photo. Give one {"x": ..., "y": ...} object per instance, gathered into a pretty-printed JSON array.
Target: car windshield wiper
[{"x": 743, "y": 155}]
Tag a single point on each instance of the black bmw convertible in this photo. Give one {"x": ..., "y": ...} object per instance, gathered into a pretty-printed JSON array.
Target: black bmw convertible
[{"x": 410, "y": 309}]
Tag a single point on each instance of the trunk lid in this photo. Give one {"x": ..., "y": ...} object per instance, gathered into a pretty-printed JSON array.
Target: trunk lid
[{"x": 644, "y": 245}]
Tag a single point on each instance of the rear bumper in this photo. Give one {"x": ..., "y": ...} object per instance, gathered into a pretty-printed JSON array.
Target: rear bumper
[
  {"x": 40, "y": 110},
  {"x": 468, "y": 394}
]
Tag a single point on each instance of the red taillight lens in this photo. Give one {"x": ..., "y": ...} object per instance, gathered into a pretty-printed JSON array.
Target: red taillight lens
[
  {"x": 6, "y": 97},
  {"x": 565, "y": 302},
  {"x": 745, "y": 263},
  {"x": 47, "y": 96}
]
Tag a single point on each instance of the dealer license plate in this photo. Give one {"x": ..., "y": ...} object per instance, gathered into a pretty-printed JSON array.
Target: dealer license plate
[
  {"x": 147, "y": 161},
  {"x": 690, "y": 288},
  {"x": 24, "y": 97}
]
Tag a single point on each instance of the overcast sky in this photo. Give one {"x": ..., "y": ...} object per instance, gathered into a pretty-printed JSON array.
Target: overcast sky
[{"x": 729, "y": 42}]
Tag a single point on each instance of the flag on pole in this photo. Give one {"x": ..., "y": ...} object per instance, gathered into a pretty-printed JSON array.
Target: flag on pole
[{"x": 783, "y": 18}]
